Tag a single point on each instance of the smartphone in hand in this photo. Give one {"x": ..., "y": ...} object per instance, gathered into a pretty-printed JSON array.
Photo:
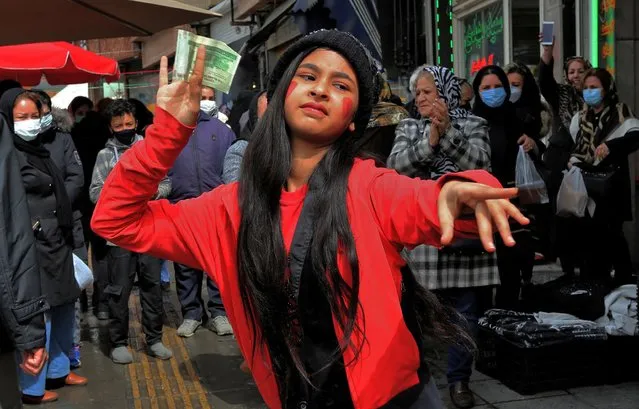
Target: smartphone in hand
[{"x": 547, "y": 32}]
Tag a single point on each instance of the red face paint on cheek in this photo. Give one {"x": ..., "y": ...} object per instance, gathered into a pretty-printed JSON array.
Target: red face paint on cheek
[
  {"x": 347, "y": 105},
  {"x": 291, "y": 88}
]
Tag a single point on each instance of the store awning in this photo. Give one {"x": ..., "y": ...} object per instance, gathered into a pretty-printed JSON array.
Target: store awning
[
  {"x": 69, "y": 20},
  {"x": 358, "y": 17},
  {"x": 269, "y": 26}
]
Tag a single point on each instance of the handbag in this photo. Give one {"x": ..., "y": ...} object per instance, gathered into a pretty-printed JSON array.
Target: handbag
[{"x": 599, "y": 182}]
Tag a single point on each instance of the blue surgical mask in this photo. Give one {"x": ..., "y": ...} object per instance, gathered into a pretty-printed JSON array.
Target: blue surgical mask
[
  {"x": 494, "y": 98},
  {"x": 515, "y": 94},
  {"x": 46, "y": 122},
  {"x": 593, "y": 96}
]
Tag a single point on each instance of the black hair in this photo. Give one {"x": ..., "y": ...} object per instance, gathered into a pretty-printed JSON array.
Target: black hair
[
  {"x": 142, "y": 114},
  {"x": 44, "y": 97},
  {"x": 8, "y": 84},
  {"x": 117, "y": 108},
  {"x": 79, "y": 102}
]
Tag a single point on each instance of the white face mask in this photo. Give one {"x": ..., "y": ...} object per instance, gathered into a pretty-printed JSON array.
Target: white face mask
[
  {"x": 208, "y": 106},
  {"x": 28, "y": 129}
]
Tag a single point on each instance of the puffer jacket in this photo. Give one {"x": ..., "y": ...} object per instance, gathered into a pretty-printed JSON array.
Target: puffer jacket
[
  {"x": 22, "y": 305},
  {"x": 104, "y": 164},
  {"x": 200, "y": 166},
  {"x": 59, "y": 142}
]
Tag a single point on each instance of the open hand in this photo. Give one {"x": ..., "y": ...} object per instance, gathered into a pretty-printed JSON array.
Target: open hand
[
  {"x": 33, "y": 361},
  {"x": 491, "y": 207},
  {"x": 181, "y": 99}
]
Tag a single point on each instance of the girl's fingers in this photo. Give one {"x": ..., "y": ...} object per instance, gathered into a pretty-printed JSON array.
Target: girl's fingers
[
  {"x": 164, "y": 71},
  {"x": 485, "y": 226},
  {"x": 446, "y": 224},
  {"x": 500, "y": 219},
  {"x": 513, "y": 212},
  {"x": 479, "y": 192}
]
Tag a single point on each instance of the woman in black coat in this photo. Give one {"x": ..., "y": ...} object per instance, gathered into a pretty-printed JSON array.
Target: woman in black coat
[
  {"x": 493, "y": 96},
  {"x": 56, "y": 138},
  {"x": 52, "y": 217}
]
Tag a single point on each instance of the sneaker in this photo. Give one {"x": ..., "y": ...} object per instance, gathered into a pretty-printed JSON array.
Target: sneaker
[
  {"x": 158, "y": 350},
  {"x": 188, "y": 328},
  {"x": 121, "y": 355},
  {"x": 220, "y": 325},
  {"x": 74, "y": 357}
]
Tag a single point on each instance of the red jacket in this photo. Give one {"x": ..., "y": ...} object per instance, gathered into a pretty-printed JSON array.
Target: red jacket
[{"x": 387, "y": 212}]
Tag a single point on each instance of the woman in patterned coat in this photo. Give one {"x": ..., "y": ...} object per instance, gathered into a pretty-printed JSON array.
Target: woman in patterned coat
[{"x": 447, "y": 139}]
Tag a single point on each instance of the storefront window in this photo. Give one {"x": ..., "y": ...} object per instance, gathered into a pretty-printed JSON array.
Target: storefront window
[
  {"x": 525, "y": 32},
  {"x": 483, "y": 38}
]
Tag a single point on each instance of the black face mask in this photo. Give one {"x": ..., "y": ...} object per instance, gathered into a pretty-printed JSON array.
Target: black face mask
[{"x": 126, "y": 137}]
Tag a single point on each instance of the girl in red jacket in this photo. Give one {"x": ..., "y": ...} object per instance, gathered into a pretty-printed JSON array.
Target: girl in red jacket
[{"x": 306, "y": 247}]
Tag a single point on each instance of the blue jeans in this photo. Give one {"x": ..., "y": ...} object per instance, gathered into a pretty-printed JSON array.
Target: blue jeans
[
  {"x": 188, "y": 282},
  {"x": 165, "y": 276},
  {"x": 465, "y": 301},
  {"x": 59, "y": 323}
]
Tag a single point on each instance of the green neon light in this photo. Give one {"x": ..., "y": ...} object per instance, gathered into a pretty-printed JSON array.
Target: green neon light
[{"x": 594, "y": 33}]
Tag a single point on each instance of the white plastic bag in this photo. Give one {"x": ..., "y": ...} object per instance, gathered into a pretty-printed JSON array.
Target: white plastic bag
[
  {"x": 532, "y": 188},
  {"x": 572, "y": 198},
  {"x": 83, "y": 274}
]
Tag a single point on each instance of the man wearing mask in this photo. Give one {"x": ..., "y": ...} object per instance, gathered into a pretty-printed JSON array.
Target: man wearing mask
[
  {"x": 122, "y": 264},
  {"x": 198, "y": 170},
  {"x": 209, "y": 106}
]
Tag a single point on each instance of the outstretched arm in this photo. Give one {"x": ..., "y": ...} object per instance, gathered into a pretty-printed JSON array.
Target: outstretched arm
[{"x": 411, "y": 212}]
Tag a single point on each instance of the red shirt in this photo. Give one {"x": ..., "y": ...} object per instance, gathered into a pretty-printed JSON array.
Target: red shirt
[{"x": 387, "y": 212}]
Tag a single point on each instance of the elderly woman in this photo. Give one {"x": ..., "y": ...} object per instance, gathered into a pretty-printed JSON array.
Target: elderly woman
[
  {"x": 447, "y": 139},
  {"x": 605, "y": 133}
]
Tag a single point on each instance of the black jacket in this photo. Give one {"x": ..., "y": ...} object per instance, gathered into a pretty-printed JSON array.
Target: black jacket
[
  {"x": 21, "y": 304},
  {"x": 59, "y": 142}
]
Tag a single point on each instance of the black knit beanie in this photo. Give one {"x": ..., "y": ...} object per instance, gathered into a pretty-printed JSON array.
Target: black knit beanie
[{"x": 353, "y": 51}]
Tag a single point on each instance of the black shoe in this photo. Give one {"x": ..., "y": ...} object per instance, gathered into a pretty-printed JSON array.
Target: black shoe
[{"x": 462, "y": 396}]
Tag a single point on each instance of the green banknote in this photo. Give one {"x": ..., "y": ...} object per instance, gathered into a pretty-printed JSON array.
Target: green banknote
[{"x": 221, "y": 61}]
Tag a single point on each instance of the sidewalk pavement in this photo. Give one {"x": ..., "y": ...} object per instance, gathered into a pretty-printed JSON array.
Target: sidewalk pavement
[{"x": 204, "y": 374}]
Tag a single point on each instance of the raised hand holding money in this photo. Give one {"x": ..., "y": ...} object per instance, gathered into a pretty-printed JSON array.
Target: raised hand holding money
[{"x": 181, "y": 99}]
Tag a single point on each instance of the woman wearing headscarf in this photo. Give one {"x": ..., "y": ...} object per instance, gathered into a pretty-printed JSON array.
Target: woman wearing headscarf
[
  {"x": 605, "y": 133},
  {"x": 52, "y": 217},
  {"x": 55, "y": 127},
  {"x": 379, "y": 135},
  {"x": 565, "y": 99},
  {"x": 508, "y": 131},
  {"x": 447, "y": 139}
]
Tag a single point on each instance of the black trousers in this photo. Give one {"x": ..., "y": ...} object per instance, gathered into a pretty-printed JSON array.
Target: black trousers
[
  {"x": 122, "y": 265},
  {"x": 188, "y": 282},
  {"x": 514, "y": 263}
]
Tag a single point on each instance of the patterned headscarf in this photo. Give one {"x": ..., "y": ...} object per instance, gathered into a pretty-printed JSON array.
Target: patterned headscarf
[{"x": 448, "y": 89}]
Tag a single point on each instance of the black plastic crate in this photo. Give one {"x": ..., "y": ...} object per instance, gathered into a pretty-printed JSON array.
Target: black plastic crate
[
  {"x": 622, "y": 359},
  {"x": 532, "y": 370}
]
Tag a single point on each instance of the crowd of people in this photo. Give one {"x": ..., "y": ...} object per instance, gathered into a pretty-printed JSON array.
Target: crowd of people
[{"x": 286, "y": 208}]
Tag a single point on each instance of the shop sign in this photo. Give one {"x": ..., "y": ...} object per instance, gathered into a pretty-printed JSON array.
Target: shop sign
[
  {"x": 607, "y": 34},
  {"x": 484, "y": 38},
  {"x": 480, "y": 63}
]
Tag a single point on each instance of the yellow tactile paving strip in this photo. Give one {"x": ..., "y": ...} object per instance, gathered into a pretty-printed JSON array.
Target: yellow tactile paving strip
[{"x": 157, "y": 384}]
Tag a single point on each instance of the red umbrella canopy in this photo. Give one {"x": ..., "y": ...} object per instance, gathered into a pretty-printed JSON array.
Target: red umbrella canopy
[{"x": 61, "y": 62}]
